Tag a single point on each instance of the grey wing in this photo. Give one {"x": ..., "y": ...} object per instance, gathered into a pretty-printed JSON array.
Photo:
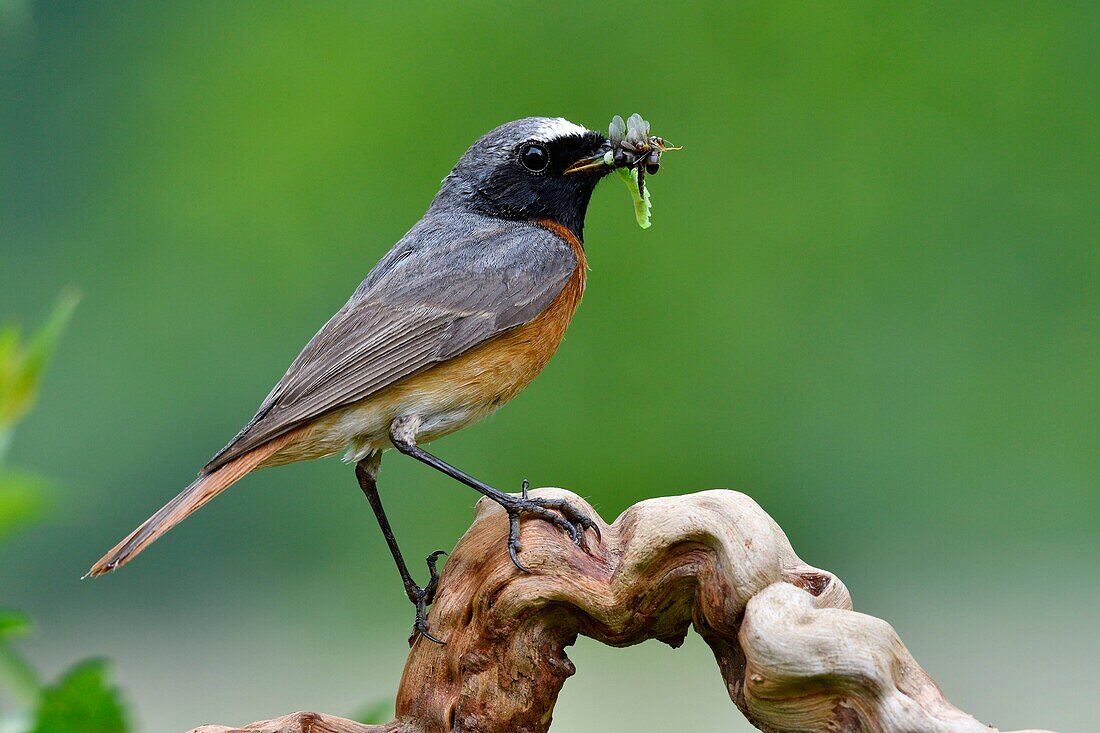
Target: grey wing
[{"x": 431, "y": 301}]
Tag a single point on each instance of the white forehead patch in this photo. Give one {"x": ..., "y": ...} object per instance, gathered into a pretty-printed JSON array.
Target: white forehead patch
[{"x": 557, "y": 127}]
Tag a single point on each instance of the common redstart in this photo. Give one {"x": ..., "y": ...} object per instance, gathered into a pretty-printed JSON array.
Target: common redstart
[{"x": 454, "y": 321}]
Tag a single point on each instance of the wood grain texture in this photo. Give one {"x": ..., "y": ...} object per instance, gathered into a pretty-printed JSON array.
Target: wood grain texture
[{"x": 793, "y": 654}]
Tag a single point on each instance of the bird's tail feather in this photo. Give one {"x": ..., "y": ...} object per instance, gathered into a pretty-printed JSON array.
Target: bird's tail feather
[{"x": 202, "y": 490}]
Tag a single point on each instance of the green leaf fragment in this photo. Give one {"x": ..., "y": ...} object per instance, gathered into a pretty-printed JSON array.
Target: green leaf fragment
[
  {"x": 642, "y": 205},
  {"x": 13, "y": 624},
  {"x": 82, "y": 701},
  {"x": 23, "y": 498},
  {"x": 17, "y": 678},
  {"x": 21, "y": 368}
]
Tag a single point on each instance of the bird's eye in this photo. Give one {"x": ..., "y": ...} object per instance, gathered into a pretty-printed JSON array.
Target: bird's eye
[{"x": 534, "y": 157}]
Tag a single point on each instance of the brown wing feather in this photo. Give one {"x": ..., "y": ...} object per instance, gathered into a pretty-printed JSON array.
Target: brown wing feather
[{"x": 422, "y": 308}]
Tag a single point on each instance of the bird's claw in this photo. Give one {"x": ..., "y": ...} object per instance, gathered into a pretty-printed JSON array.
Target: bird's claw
[
  {"x": 423, "y": 597},
  {"x": 514, "y": 544},
  {"x": 558, "y": 512}
]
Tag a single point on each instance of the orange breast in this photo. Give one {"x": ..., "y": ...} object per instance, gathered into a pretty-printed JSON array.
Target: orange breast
[
  {"x": 453, "y": 394},
  {"x": 498, "y": 370}
]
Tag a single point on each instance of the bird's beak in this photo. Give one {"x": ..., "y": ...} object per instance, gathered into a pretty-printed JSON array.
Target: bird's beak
[{"x": 601, "y": 160}]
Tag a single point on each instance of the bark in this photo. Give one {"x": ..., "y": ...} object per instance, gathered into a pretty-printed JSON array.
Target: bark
[{"x": 792, "y": 652}]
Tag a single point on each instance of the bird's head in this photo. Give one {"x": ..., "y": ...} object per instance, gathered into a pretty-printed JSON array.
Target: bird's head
[{"x": 533, "y": 169}]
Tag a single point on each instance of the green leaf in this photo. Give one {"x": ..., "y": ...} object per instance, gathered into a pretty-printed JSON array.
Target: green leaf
[
  {"x": 21, "y": 370},
  {"x": 642, "y": 205},
  {"x": 17, "y": 676},
  {"x": 9, "y": 346},
  {"x": 22, "y": 501},
  {"x": 82, "y": 701},
  {"x": 44, "y": 342},
  {"x": 13, "y": 624},
  {"x": 375, "y": 713}
]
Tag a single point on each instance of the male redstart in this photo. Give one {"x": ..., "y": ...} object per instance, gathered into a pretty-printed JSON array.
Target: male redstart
[{"x": 453, "y": 322}]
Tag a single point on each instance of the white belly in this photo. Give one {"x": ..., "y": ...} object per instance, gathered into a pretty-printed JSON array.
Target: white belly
[{"x": 364, "y": 427}]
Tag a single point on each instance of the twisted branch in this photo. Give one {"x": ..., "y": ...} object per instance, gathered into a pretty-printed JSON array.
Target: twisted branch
[{"x": 793, "y": 654}]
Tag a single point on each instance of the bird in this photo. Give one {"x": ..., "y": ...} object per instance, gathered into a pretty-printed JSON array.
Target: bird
[{"x": 453, "y": 322}]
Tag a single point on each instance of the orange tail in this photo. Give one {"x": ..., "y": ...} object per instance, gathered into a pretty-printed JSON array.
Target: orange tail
[{"x": 204, "y": 488}]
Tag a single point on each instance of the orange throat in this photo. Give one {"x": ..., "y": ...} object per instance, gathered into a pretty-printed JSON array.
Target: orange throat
[{"x": 580, "y": 274}]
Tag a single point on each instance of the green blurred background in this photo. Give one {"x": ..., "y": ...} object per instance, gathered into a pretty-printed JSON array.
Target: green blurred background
[{"x": 870, "y": 299}]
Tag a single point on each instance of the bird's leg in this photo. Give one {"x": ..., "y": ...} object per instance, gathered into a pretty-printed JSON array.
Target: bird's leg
[
  {"x": 556, "y": 511},
  {"x": 366, "y": 471}
]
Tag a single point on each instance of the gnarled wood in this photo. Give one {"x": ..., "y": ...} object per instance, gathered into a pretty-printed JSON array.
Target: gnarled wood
[{"x": 793, "y": 654}]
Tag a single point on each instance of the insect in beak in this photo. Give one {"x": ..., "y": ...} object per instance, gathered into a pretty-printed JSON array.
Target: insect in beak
[
  {"x": 588, "y": 164},
  {"x": 631, "y": 147},
  {"x": 634, "y": 153}
]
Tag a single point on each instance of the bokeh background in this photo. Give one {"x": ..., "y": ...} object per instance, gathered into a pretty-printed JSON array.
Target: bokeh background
[{"x": 870, "y": 299}]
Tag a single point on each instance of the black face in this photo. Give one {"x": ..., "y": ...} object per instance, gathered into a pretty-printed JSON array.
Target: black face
[{"x": 522, "y": 176}]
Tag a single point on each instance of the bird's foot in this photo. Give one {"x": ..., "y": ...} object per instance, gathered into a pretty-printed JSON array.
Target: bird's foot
[
  {"x": 423, "y": 597},
  {"x": 558, "y": 512}
]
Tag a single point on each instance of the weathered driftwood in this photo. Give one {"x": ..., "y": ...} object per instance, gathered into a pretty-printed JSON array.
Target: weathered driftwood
[{"x": 793, "y": 654}]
